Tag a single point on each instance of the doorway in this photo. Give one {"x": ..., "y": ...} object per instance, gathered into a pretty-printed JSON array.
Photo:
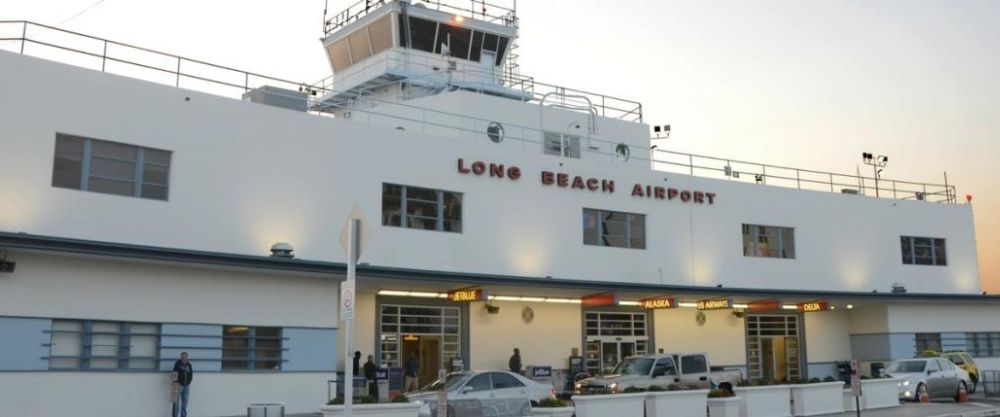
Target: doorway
[
  {"x": 773, "y": 350},
  {"x": 487, "y": 66},
  {"x": 612, "y": 336},
  {"x": 432, "y": 333},
  {"x": 428, "y": 352}
]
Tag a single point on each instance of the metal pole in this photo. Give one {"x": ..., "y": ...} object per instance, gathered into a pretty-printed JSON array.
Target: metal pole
[
  {"x": 691, "y": 163},
  {"x": 947, "y": 190},
  {"x": 178, "y": 83},
  {"x": 104, "y": 56},
  {"x": 24, "y": 35},
  {"x": 352, "y": 260},
  {"x": 875, "y": 170},
  {"x": 831, "y": 182},
  {"x": 798, "y": 180}
]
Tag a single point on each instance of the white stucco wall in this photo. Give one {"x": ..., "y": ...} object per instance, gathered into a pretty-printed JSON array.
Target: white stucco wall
[
  {"x": 930, "y": 317},
  {"x": 868, "y": 319},
  {"x": 244, "y": 176},
  {"x": 547, "y": 340},
  {"x": 140, "y": 394},
  {"x": 97, "y": 289},
  {"x": 828, "y": 336},
  {"x": 722, "y": 336}
]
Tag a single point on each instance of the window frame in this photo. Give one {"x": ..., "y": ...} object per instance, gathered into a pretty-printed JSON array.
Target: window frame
[
  {"x": 439, "y": 216},
  {"x": 600, "y": 233},
  {"x": 777, "y": 250},
  {"x": 123, "y": 346},
  {"x": 250, "y": 360},
  {"x": 938, "y": 250},
  {"x": 141, "y": 161}
]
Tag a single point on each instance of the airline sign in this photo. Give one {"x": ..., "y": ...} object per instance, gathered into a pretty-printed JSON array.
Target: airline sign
[
  {"x": 812, "y": 306},
  {"x": 715, "y": 304},
  {"x": 466, "y": 295},
  {"x": 658, "y": 302}
]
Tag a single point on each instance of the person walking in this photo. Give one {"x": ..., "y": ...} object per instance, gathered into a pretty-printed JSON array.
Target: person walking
[
  {"x": 515, "y": 361},
  {"x": 182, "y": 375},
  {"x": 412, "y": 371},
  {"x": 371, "y": 370}
]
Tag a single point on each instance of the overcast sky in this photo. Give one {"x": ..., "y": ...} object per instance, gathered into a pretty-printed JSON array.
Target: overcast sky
[{"x": 788, "y": 82}]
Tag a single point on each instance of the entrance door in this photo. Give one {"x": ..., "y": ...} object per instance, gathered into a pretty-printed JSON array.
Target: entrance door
[
  {"x": 609, "y": 353},
  {"x": 612, "y": 336},
  {"x": 773, "y": 348},
  {"x": 487, "y": 67},
  {"x": 428, "y": 352}
]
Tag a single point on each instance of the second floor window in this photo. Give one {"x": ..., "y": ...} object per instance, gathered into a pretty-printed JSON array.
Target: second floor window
[
  {"x": 768, "y": 241},
  {"x": 614, "y": 228},
  {"x": 923, "y": 251},
  {"x": 112, "y": 168},
  {"x": 421, "y": 208}
]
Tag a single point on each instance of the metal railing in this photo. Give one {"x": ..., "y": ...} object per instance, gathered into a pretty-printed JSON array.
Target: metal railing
[
  {"x": 496, "y": 13},
  {"x": 86, "y": 51},
  {"x": 43, "y": 41}
]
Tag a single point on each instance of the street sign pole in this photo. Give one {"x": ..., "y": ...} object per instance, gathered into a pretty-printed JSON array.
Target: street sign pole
[
  {"x": 856, "y": 386},
  {"x": 347, "y": 303}
]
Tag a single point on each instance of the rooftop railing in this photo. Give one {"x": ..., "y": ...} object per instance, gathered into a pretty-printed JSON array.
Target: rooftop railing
[
  {"x": 499, "y": 12},
  {"x": 86, "y": 51}
]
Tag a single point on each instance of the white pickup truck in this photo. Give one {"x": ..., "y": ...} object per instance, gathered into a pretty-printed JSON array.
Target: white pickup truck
[{"x": 689, "y": 369}]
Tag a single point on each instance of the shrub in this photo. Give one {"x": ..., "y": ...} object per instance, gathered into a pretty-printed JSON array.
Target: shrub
[
  {"x": 676, "y": 387},
  {"x": 552, "y": 402},
  {"x": 336, "y": 401},
  {"x": 814, "y": 380},
  {"x": 362, "y": 400},
  {"x": 717, "y": 393},
  {"x": 630, "y": 390},
  {"x": 830, "y": 379},
  {"x": 656, "y": 388},
  {"x": 400, "y": 399}
]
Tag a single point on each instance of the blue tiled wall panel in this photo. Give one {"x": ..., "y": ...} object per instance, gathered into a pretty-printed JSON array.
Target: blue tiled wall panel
[
  {"x": 22, "y": 343},
  {"x": 953, "y": 341},
  {"x": 902, "y": 345},
  {"x": 202, "y": 342},
  {"x": 309, "y": 349}
]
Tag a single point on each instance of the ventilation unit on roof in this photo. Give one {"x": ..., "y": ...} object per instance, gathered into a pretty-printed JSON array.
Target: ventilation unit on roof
[{"x": 278, "y": 97}]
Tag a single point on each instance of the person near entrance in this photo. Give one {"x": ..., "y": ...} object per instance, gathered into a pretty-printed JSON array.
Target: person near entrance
[
  {"x": 181, "y": 376},
  {"x": 412, "y": 371},
  {"x": 515, "y": 361},
  {"x": 370, "y": 372},
  {"x": 356, "y": 364}
]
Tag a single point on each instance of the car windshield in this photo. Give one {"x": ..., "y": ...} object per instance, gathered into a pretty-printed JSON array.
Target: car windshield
[
  {"x": 907, "y": 367},
  {"x": 450, "y": 382},
  {"x": 633, "y": 366}
]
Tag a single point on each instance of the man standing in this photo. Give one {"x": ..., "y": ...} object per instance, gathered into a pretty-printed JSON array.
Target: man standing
[
  {"x": 412, "y": 370},
  {"x": 184, "y": 373},
  {"x": 515, "y": 361},
  {"x": 371, "y": 370},
  {"x": 356, "y": 364}
]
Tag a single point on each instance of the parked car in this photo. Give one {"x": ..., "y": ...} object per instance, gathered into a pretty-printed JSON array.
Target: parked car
[
  {"x": 660, "y": 369},
  {"x": 964, "y": 360},
  {"x": 937, "y": 377},
  {"x": 470, "y": 392}
]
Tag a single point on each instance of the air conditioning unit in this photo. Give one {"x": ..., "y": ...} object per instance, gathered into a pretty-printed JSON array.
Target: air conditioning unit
[{"x": 849, "y": 191}]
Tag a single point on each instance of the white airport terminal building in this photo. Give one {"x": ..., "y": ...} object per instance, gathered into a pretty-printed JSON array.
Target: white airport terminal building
[{"x": 138, "y": 221}]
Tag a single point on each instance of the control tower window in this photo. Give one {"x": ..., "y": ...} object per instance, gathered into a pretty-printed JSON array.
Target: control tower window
[
  {"x": 340, "y": 55},
  {"x": 381, "y": 34},
  {"x": 477, "y": 46},
  {"x": 456, "y": 38},
  {"x": 422, "y": 34},
  {"x": 501, "y": 49},
  {"x": 495, "y": 43},
  {"x": 360, "y": 45}
]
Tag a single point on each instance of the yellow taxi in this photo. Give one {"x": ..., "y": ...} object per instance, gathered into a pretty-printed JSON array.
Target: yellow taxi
[{"x": 964, "y": 360}]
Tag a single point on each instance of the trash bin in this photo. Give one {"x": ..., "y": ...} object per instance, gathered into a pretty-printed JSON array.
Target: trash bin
[
  {"x": 877, "y": 369},
  {"x": 266, "y": 410}
]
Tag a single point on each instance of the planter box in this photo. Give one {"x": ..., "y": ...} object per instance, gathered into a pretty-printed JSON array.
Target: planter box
[
  {"x": 724, "y": 407},
  {"x": 849, "y": 403},
  {"x": 676, "y": 403},
  {"x": 552, "y": 411},
  {"x": 879, "y": 393},
  {"x": 818, "y": 398},
  {"x": 381, "y": 410},
  {"x": 609, "y": 405},
  {"x": 766, "y": 401}
]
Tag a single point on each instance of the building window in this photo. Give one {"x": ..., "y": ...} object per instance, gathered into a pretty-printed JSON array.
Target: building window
[
  {"x": 983, "y": 345},
  {"x": 421, "y": 208},
  {"x": 104, "y": 345},
  {"x": 251, "y": 348},
  {"x": 613, "y": 228},
  {"x": 109, "y": 167},
  {"x": 563, "y": 145},
  {"x": 927, "y": 341},
  {"x": 923, "y": 251},
  {"x": 768, "y": 241}
]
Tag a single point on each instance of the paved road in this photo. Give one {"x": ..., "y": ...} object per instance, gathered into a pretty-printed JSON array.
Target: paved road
[{"x": 978, "y": 406}]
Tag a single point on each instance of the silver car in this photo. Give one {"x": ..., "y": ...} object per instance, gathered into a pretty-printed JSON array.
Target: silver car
[
  {"x": 937, "y": 377},
  {"x": 483, "y": 393}
]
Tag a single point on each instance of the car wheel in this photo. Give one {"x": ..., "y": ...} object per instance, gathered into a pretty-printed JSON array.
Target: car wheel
[
  {"x": 920, "y": 392},
  {"x": 958, "y": 391}
]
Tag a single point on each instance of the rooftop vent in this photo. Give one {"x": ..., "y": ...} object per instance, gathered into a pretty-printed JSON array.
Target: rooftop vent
[{"x": 278, "y": 97}]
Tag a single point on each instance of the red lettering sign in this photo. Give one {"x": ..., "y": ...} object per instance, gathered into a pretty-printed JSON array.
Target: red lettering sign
[
  {"x": 763, "y": 305},
  {"x": 598, "y": 300},
  {"x": 812, "y": 306},
  {"x": 657, "y": 302}
]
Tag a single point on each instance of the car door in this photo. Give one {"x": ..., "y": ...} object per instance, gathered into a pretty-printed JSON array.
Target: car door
[
  {"x": 506, "y": 386},
  {"x": 951, "y": 375},
  {"x": 935, "y": 380},
  {"x": 479, "y": 387},
  {"x": 664, "y": 372},
  {"x": 694, "y": 371}
]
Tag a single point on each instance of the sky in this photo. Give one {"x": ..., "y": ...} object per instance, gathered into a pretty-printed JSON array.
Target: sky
[{"x": 809, "y": 84}]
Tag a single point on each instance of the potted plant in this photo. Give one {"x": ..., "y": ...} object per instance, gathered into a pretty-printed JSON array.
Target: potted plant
[
  {"x": 675, "y": 400},
  {"x": 723, "y": 404},
  {"x": 817, "y": 397},
  {"x": 553, "y": 407},
  {"x": 369, "y": 406},
  {"x": 629, "y": 403},
  {"x": 769, "y": 399}
]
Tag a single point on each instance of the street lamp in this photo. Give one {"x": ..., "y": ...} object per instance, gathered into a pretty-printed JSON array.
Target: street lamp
[{"x": 878, "y": 165}]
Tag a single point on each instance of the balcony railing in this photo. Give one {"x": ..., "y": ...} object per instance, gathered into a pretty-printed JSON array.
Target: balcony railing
[
  {"x": 141, "y": 63},
  {"x": 496, "y": 12}
]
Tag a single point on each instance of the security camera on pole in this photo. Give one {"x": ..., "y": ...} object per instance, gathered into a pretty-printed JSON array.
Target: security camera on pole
[{"x": 353, "y": 238}]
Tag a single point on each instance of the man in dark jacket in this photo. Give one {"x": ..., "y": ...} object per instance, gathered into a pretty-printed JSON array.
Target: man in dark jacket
[
  {"x": 515, "y": 361},
  {"x": 370, "y": 373},
  {"x": 184, "y": 373}
]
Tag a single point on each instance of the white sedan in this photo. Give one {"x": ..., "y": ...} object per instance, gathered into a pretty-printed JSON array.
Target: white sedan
[{"x": 505, "y": 392}]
